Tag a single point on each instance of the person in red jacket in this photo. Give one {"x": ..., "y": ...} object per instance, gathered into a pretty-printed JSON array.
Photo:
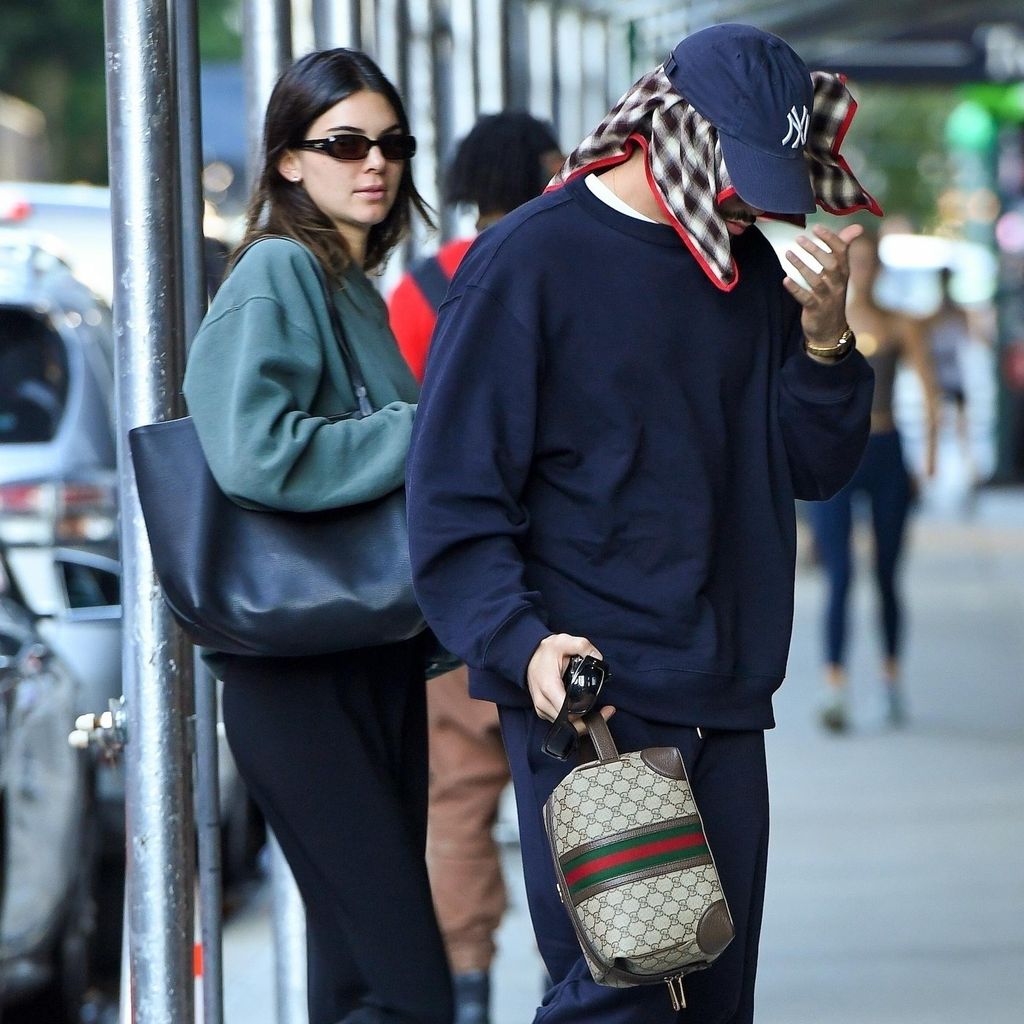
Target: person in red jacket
[{"x": 506, "y": 160}]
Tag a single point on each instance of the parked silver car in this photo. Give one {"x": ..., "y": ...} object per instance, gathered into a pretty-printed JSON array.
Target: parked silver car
[{"x": 48, "y": 834}]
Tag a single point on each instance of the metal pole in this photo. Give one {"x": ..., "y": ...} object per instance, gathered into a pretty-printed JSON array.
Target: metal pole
[
  {"x": 144, "y": 178},
  {"x": 369, "y": 42},
  {"x": 474, "y": 31},
  {"x": 444, "y": 118},
  {"x": 516, "y": 55},
  {"x": 194, "y": 296},
  {"x": 556, "y": 80},
  {"x": 267, "y": 51},
  {"x": 289, "y": 924},
  {"x": 337, "y": 23},
  {"x": 208, "y": 827},
  {"x": 392, "y": 43}
]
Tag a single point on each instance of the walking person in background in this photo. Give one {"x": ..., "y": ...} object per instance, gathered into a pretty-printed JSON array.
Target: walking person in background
[
  {"x": 622, "y": 400},
  {"x": 504, "y": 161},
  {"x": 887, "y": 340},
  {"x": 949, "y": 333},
  {"x": 333, "y": 748}
]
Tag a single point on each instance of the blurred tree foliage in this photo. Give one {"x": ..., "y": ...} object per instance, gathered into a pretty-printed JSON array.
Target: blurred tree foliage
[
  {"x": 896, "y": 147},
  {"x": 52, "y": 56}
]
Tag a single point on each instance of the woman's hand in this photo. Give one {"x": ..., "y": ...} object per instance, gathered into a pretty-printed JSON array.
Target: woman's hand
[{"x": 824, "y": 300}]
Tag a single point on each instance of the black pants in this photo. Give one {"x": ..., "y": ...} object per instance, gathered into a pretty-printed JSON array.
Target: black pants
[
  {"x": 334, "y": 752},
  {"x": 730, "y": 784}
]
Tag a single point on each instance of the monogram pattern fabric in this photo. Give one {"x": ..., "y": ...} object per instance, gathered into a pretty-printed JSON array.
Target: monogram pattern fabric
[
  {"x": 652, "y": 924},
  {"x": 597, "y": 800},
  {"x": 663, "y": 919}
]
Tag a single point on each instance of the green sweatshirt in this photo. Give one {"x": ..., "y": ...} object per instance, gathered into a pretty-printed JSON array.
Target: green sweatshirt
[{"x": 265, "y": 376}]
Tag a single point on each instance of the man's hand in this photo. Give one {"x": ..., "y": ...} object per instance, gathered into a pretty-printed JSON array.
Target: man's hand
[
  {"x": 824, "y": 300},
  {"x": 544, "y": 674}
]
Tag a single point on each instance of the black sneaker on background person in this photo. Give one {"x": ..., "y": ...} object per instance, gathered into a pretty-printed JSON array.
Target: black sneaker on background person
[{"x": 472, "y": 997}]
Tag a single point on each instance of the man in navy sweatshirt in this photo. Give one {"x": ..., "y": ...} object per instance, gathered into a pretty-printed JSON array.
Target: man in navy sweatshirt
[{"x": 622, "y": 400}]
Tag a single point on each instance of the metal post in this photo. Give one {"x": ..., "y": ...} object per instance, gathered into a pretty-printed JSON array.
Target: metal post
[
  {"x": 569, "y": 71},
  {"x": 516, "y": 55},
  {"x": 207, "y": 809},
  {"x": 194, "y": 296},
  {"x": 337, "y": 23},
  {"x": 444, "y": 116},
  {"x": 594, "y": 68},
  {"x": 267, "y": 49},
  {"x": 289, "y": 924},
  {"x": 474, "y": 31},
  {"x": 568, "y": 145},
  {"x": 369, "y": 42},
  {"x": 392, "y": 43},
  {"x": 144, "y": 177}
]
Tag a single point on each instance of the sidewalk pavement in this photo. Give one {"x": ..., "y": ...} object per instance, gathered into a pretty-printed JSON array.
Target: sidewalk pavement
[{"x": 896, "y": 876}]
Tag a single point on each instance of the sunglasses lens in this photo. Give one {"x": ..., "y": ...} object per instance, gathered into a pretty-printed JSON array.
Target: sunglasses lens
[
  {"x": 349, "y": 147},
  {"x": 560, "y": 741},
  {"x": 397, "y": 147}
]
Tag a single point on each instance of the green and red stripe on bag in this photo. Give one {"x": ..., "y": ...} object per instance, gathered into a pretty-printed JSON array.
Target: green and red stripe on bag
[{"x": 607, "y": 861}]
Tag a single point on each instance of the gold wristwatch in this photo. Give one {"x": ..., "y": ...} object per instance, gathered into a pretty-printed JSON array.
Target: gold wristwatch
[{"x": 847, "y": 340}]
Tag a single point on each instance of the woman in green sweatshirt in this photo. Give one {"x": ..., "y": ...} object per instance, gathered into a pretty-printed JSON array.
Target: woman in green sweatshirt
[{"x": 333, "y": 747}]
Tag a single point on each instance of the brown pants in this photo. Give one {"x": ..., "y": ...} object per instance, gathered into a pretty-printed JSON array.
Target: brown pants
[{"x": 468, "y": 771}]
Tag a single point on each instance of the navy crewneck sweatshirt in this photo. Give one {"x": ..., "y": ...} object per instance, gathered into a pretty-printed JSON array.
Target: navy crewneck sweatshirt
[{"x": 607, "y": 445}]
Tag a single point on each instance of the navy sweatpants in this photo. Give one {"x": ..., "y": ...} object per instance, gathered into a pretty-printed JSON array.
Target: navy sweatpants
[
  {"x": 333, "y": 749},
  {"x": 729, "y": 779}
]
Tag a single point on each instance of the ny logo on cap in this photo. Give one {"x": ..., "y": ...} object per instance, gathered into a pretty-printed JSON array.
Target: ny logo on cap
[{"x": 798, "y": 125}]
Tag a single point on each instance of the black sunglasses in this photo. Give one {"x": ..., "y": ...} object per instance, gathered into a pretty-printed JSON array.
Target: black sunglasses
[
  {"x": 583, "y": 678},
  {"x": 357, "y": 147}
]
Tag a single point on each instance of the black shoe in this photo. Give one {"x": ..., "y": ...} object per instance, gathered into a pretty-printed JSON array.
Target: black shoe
[{"x": 472, "y": 997}]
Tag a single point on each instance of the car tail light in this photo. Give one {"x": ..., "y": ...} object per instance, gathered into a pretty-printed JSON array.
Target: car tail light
[
  {"x": 58, "y": 512},
  {"x": 14, "y": 208}
]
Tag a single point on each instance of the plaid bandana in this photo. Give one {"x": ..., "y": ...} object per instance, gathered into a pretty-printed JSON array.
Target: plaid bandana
[{"x": 688, "y": 175}]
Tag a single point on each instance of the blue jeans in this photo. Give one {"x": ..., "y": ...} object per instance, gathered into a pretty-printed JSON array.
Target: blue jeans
[{"x": 882, "y": 477}]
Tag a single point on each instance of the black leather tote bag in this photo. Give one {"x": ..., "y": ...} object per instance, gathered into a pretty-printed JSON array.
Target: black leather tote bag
[{"x": 271, "y": 583}]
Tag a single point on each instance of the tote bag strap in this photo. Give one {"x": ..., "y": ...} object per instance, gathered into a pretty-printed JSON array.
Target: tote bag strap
[{"x": 355, "y": 375}]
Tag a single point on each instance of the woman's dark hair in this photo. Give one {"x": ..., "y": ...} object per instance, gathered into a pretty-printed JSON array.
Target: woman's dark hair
[
  {"x": 313, "y": 84},
  {"x": 498, "y": 164}
]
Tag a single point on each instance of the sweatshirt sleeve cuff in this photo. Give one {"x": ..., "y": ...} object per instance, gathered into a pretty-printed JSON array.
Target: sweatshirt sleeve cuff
[
  {"x": 822, "y": 382},
  {"x": 512, "y": 645}
]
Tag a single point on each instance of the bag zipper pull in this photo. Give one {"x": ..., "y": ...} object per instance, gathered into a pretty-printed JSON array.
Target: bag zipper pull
[
  {"x": 675, "y": 991},
  {"x": 365, "y": 408}
]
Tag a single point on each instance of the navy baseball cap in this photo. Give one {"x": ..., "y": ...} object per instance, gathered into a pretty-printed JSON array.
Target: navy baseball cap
[{"x": 757, "y": 92}]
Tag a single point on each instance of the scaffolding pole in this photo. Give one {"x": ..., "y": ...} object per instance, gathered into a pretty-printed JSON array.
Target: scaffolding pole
[
  {"x": 443, "y": 100},
  {"x": 267, "y": 51},
  {"x": 267, "y": 46},
  {"x": 337, "y": 23},
  {"x": 157, "y": 664}
]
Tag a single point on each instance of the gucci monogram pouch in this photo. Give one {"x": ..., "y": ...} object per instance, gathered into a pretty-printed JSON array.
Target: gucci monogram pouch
[{"x": 634, "y": 869}]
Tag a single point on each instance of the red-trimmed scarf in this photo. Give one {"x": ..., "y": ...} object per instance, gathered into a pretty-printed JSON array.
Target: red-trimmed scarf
[{"x": 686, "y": 170}]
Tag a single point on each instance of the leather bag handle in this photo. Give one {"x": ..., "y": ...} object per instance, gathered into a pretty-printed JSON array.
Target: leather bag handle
[{"x": 600, "y": 736}]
